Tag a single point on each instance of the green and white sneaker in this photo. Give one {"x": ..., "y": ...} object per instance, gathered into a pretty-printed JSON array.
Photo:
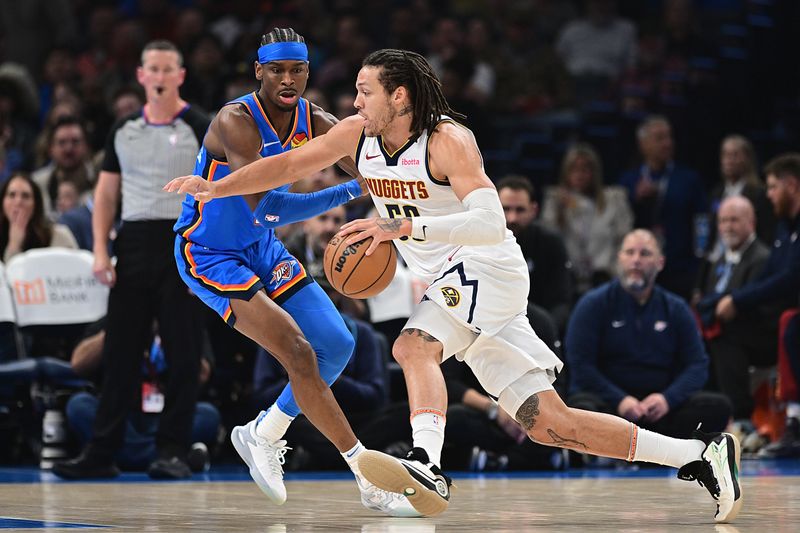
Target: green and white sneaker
[{"x": 718, "y": 471}]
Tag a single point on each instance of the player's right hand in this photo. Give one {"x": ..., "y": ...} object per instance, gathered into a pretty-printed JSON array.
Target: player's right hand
[{"x": 200, "y": 188}]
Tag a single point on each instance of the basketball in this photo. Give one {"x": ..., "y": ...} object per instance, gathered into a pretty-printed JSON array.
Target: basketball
[{"x": 355, "y": 274}]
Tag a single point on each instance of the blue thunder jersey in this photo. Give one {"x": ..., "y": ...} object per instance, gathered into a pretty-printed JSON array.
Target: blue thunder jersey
[{"x": 229, "y": 223}]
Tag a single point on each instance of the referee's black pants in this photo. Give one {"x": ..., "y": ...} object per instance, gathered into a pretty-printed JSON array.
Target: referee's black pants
[{"x": 148, "y": 287}]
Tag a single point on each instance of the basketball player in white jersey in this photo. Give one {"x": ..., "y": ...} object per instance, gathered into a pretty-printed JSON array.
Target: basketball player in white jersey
[{"x": 426, "y": 178}]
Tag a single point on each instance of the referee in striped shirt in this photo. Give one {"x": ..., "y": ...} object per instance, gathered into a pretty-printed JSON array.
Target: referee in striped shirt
[{"x": 143, "y": 152}]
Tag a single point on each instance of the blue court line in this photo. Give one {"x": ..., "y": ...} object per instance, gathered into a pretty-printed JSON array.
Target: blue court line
[
  {"x": 750, "y": 468},
  {"x": 7, "y": 522}
]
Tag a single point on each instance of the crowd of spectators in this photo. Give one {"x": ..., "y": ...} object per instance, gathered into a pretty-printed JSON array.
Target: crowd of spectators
[{"x": 594, "y": 117}]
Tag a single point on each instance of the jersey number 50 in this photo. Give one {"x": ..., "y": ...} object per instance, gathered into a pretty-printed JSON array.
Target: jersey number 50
[{"x": 398, "y": 211}]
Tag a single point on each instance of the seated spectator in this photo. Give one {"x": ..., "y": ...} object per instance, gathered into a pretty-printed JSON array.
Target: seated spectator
[
  {"x": 543, "y": 249},
  {"x": 68, "y": 197},
  {"x": 668, "y": 199},
  {"x": 70, "y": 161},
  {"x": 751, "y": 339},
  {"x": 737, "y": 161},
  {"x": 19, "y": 107},
  {"x": 361, "y": 390},
  {"x": 139, "y": 448},
  {"x": 779, "y": 282},
  {"x": 634, "y": 349},
  {"x": 79, "y": 221},
  {"x": 597, "y": 48},
  {"x": 480, "y": 435},
  {"x": 23, "y": 225},
  {"x": 591, "y": 218}
]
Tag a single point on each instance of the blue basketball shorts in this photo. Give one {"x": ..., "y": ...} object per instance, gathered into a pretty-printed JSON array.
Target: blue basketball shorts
[{"x": 217, "y": 276}]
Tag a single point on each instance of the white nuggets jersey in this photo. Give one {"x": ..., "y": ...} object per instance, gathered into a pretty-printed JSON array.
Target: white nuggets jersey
[{"x": 482, "y": 286}]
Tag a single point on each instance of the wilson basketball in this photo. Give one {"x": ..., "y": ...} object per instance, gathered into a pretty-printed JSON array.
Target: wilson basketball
[{"x": 355, "y": 274}]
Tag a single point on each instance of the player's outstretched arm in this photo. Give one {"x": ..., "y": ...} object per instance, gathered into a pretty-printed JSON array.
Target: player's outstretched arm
[{"x": 271, "y": 172}]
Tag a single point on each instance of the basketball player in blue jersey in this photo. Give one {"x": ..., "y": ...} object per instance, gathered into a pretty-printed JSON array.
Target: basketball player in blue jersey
[
  {"x": 228, "y": 255},
  {"x": 444, "y": 215}
]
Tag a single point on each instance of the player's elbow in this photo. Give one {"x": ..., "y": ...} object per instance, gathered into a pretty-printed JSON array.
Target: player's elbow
[
  {"x": 484, "y": 229},
  {"x": 496, "y": 226}
]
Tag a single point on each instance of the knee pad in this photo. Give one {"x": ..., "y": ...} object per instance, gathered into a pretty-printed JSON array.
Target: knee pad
[{"x": 334, "y": 354}]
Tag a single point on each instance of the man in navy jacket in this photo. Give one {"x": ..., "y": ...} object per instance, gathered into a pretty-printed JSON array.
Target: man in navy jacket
[{"x": 634, "y": 349}]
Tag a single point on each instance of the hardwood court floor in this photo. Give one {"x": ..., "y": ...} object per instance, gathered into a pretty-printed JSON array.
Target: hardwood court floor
[{"x": 489, "y": 505}]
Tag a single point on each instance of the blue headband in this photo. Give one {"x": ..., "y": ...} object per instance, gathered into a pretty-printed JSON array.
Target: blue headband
[{"x": 282, "y": 52}]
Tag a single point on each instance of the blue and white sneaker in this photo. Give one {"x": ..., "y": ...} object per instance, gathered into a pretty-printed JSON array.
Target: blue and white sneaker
[
  {"x": 718, "y": 471},
  {"x": 265, "y": 460},
  {"x": 415, "y": 477}
]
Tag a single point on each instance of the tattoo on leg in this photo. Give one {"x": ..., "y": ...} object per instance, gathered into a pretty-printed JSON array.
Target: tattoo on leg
[
  {"x": 561, "y": 442},
  {"x": 389, "y": 225},
  {"x": 414, "y": 332},
  {"x": 528, "y": 411}
]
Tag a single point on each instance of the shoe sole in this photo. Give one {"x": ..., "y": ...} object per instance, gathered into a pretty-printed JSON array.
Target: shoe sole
[
  {"x": 387, "y": 473},
  {"x": 244, "y": 452},
  {"x": 737, "y": 505}
]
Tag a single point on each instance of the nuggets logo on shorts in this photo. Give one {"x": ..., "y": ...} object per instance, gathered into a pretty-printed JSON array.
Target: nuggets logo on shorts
[
  {"x": 299, "y": 140},
  {"x": 282, "y": 272},
  {"x": 451, "y": 296}
]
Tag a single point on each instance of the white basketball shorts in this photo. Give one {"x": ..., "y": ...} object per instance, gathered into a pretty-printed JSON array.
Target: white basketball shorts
[{"x": 512, "y": 364}]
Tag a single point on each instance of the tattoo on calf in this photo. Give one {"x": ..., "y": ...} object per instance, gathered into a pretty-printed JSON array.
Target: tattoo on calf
[
  {"x": 528, "y": 411},
  {"x": 414, "y": 332},
  {"x": 526, "y": 416},
  {"x": 390, "y": 225},
  {"x": 561, "y": 442}
]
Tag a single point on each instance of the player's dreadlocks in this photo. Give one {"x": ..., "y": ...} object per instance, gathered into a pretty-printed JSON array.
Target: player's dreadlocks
[
  {"x": 282, "y": 35},
  {"x": 412, "y": 71}
]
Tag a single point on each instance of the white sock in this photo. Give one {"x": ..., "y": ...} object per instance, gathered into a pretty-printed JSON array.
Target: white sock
[
  {"x": 273, "y": 424},
  {"x": 427, "y": 430},
  {"x": 351, "y": 457},
  {"x": 793, "y": 410},
  {"x": 653, "y": 447}
]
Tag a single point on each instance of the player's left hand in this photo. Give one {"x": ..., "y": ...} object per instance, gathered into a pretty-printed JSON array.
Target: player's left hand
[
  {"x": 655, "y": 406},
  {"x": 380, "y": 229},
  {"x": 202, "y": 189}
]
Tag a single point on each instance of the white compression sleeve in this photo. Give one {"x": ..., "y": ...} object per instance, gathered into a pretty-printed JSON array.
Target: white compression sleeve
[{"x": 483, "y": 222}]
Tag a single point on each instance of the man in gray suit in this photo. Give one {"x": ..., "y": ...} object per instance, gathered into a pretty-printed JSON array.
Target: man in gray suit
[{"x": 749, "y": 339}]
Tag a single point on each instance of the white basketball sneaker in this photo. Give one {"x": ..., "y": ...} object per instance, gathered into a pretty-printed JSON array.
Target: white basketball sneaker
[
  {"x": 392, "y": 504},
  {"x": 264, "y": 459},
  {"x": 718, "y": 471},
  {"x": 415, "y": 477}
]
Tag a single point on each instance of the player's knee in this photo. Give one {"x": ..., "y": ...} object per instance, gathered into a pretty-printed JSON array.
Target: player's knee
[
  {"x": 406, "y": 353},
  {"x": 339, "y": 348},
  {"x": 301, "y": 361},
  {"x": 342, "y": 345}
]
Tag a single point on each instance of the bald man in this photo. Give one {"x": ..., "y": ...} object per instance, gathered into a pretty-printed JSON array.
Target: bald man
[
  {"x": 750, "y": 339},
  {"x": 634, "y": 349}
]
